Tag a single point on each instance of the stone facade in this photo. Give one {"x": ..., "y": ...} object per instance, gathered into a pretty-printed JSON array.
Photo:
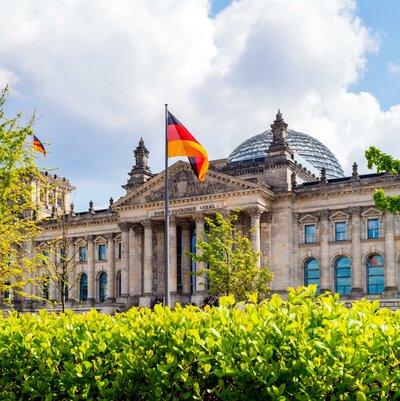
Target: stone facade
[{"x": 309, "y": 229}]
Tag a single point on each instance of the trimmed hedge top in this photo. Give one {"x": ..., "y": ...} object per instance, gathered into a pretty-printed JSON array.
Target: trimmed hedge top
[{"x": 306, "y": 348}]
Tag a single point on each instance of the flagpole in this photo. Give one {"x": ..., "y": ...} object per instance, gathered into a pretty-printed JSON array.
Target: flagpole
[{"x": 167, "y": 301}]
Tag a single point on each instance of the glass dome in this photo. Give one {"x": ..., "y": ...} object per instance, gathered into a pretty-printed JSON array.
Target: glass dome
[{"x": 313, "y": 151}]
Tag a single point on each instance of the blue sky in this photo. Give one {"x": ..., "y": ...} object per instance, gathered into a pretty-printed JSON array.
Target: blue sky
[{"x": 98, "y": 74}]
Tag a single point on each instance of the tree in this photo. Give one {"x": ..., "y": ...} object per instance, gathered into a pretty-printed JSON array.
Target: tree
[
  {"x": 60, "y": 258},
  {"x": 384, "y": 163},
  {"x": 18, "y": 207},
  {"x": 232, "y": 264}
]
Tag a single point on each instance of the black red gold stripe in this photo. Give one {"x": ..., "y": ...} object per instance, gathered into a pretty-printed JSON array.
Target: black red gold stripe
[{"x": 182, "y": 143}]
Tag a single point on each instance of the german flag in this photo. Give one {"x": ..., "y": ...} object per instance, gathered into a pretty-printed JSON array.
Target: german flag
[
  {"x": 182, "y": 143},
  {"x": 38, "y": 146}
]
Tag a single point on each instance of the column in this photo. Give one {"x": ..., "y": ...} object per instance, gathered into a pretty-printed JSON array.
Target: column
[
  {"x": 298, "y": 271},
  {"x": 111, "y": 267},
  {"x": 390, "y": 257},
  {"x": 135, "y": 268},
  {"x": 90, "y": 267},
  {"x": 147, "y": 258},
  {"x": 53, "y": 290},
  {"x": 124, "y": 227},
  {"x": 173, "y": 261},
  {"x": 324, "y": 249},
  {"x": 356, "y": 268},
  {"x": 200, "y": 288},
  {"x": 255, "y": 214},
  {"x": 185, "y": 258}
]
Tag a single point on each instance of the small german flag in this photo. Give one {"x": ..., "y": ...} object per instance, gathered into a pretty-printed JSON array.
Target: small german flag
[
  {"x": 38, "y": 146},
  {"x": 182, "y": 143}
]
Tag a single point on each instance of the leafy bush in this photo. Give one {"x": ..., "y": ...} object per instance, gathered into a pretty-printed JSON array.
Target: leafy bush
[{"x": 305, "y": 348}]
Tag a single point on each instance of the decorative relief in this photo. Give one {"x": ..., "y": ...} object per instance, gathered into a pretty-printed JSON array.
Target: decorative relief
[{"x": 184, "y": 185}]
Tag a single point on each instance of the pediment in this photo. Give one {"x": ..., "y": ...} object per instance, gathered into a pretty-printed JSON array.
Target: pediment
[
  {"x": 371, "y": 212},
  {"x": 308, "y": 218},
  {"x": 182, "y": 183},
  {"x": 339, "y": 216}
]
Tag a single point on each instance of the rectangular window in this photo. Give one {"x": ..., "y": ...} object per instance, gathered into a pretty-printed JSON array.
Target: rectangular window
[
  {"x": 309, "y": 234},
  {"x": 340, "y": 231},
  {"x": 373, "y": 228},
  {"x": 120, "y": 250},
  {"x": 102, "y": 252},
  {"x": 82, "y": 253}
]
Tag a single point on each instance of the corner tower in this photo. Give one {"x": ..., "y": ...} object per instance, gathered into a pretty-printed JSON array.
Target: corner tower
[{"x": 140, "y": 172}]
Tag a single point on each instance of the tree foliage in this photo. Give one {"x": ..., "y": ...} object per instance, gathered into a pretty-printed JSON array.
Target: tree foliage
[
  {"x": 60, "y": 259},
  {"x": 18, "y": 208},
  {"x": 384, "y": 163},
  {"x": 232, "y": 266}
]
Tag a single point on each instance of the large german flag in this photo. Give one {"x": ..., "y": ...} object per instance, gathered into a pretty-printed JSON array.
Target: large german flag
[
  {"x": 38, "y": 146},
  {"x": 182, "y": 143}
]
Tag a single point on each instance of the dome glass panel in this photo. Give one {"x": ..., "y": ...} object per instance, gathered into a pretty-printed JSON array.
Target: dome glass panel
[{"x": 316, "y": 153}]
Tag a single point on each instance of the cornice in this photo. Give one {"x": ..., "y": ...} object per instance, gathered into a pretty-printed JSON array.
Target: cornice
[{"x": 201, "y": 198}]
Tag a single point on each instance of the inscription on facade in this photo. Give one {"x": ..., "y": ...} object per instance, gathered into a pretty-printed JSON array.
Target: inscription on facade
[{"x": 184, "y": 210}]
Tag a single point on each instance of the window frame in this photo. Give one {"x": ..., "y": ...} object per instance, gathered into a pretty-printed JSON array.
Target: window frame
[
  {"x": 308, "y": 280},
  {"x": 337, "y": 276},
  {"x": 375, "y": 232},
  {"x": 310, "y": 238},
  {"x": 368, "y": 275},
  {"x": 102, "y": 255},
  {"x": 337, "y": 224},
  {"x": 81, "y": 254}
]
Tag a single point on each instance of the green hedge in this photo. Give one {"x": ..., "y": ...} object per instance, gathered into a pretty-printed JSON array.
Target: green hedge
[{"x": 306, "y": 348}]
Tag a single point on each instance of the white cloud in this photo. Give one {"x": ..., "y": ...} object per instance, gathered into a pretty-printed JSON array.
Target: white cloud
[
  {"x": 393, "y": 68},
  {"x": 100, "y": 72}
]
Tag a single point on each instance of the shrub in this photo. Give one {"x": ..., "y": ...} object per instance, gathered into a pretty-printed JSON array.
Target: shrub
[{"x": 306, "y": 348}]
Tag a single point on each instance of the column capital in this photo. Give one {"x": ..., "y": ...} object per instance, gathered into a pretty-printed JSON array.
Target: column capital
[
  {"x": 109, "y": 236},
  {"x": 124, "y": 226},
  {"x": 172, "y": 220},
  {"x": 296, "y": 216},
  {"x": 199, "y": 217},
  {"x": 355, "y": 211},
  {"x": 147, "y": 223},
  {"x": 324, "y": 214},
  {"x": 90, "y": 238},
  {"x": 255, "y": 211},
  {"x": 137, "y": 228}
]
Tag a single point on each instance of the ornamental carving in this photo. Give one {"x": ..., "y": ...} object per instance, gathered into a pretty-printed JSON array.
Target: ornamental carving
[{"x": 185, "y": 185}]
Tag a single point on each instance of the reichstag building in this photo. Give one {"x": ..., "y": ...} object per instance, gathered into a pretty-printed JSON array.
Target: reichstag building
[{"x": 314, "y": 225}]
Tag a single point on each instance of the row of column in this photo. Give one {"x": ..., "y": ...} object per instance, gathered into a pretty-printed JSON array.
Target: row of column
[{"x": 136, "y": 263}]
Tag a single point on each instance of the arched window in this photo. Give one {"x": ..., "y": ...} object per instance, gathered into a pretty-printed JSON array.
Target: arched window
[
  {"x": 343, "y": 275},
  {"x": 45, "y": 287},
  {"x": 312, "y": 273},
  {"x": 83, "y": 287},
  {"x": 103, "y": 280},
  {"x": 375, "y": 274},
  {"x": 119, "y": 284}
]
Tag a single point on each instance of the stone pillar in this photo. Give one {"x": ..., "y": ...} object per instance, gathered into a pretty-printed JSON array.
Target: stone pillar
[
  {"x": 324, "y": 249},
  {"x": 200, "y": 288},
  {"x": 297, "y": 278},
  {"x": 111, "y": 267},
  {"x": 135, "y": 270},
  {"x": 147, "y": 259},
  {"x": 356, "y": 268},
  {"x": 91, "y": 268},
  {"x": 390, "y": 258},
  {"x": 173, "y": 260},
  {"x": 185, "y": 258},
  {"x": 124, "y": 227},
  {"x": 255, "y": 214}
]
